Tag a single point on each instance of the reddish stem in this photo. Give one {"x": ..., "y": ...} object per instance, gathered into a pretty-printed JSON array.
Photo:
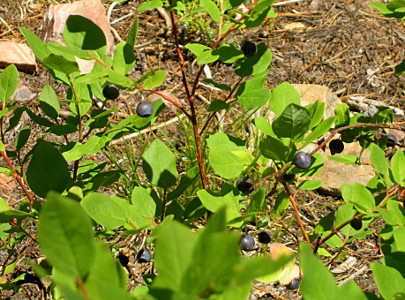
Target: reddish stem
[
  {"x": 296, "y": 212},
  {"x": 18, "y": 178}
]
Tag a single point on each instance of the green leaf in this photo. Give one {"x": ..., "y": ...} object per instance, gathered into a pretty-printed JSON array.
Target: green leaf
[
  {"x": 36, "y": 44},
  {"x": 9, "y": 79},
  {"x": 383, "y": 8},
  {"x": 104, "y": 280},
  {"x": 179, "y": 241},
  {"x": 395, "y": 4},
  {"x": 310, "y": 185},
  {"x": 225, "y": 163},
  {"x": 75, "y": 151},
  {"x": 389, "y": 281},
  {"x": 318, "y": 283},
  {"x": 397, "y": 165},
  {"x": 22, "y": 137},
  {"x": 212, "y": 9},
  {"x": 264, "y": 126},
  {"x": 63, "y": 129},
  {"x": 210, "y": 270},
  {"x": 155, "y": 80},
  {"x": 149, "y": 5},
  {"x": 131, "y": 39},
  {"x": 347, "y": 159},
  {"x": 7, "y": 214},
  {"x": 251, "y": 94},
  {"x": 400, "y": 69},
  {"x": 39, "y": 120},
  {"x": 316, "y": 111},
  {"x": 113, "y": 212},
  {"x": 47, "y": 170},
  {"x": 143, "y": 201},
  {"x": 159, "y": 165},
  {"x": 67, "y": 52},
  {"x": 215, "y": 203},
  {"x": 257, "y": 64},
  {"x": 228, "y": 53},
  {"x": 358, "y": 195},
  {"x": 378, "y": 159},
  {"x": 257, "y": 202},
  {"x": 203, "y": 53},
  {"x": 399, "y": 237},
  {"x": 283, "y": 95},
  {"x": 223, "y": 141},
  {"x": 15, "y": 119},
  {"x": 319, "y": 130},
  {"x": 124, "y": 58},
  {"x": 81, "y": 33},
  {"x": 66, "y": 236},
  {"x": 48, "y": 100},
  {"x": 274, "y": 148},
  {"x": 258, "y": 13},
  {"x": 325, "y": 224},
  {"x": 185, "y": 181},
  {"x": 342, "y": 113},
  {"x": 61, "y": 64},
  {"x": 217, "y": 105},
  {"x": 293, "y": 122}
]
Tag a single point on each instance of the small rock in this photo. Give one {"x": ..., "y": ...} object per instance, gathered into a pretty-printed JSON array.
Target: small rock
[
  {"x": 7, "y": 183},
  {"x": 18, "y": 54},
  {"x": 297, "y": 26},
  {"x": 56, "y": 16},
  {"x": 23, "y": 93},
  {"x": 310, "y": 93},
  {"x": 334, "y": 173},
  {"x": 399, "y": 134}
]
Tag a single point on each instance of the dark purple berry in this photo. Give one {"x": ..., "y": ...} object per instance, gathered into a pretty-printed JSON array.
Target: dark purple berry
[
  {"x": 247, "y": 242},
  {"x": 249, "y": 48},
  {"x": 124, "y": 260},
  {"x": 336, "y": 146},
  {"x": 144, "y": 109},
  {"x": 111, "y": 92},
  {"x": 302, "y": 160},
  {"x": 264, "y": 237},
  {"x": 144, "y": 256},
  {"x": 294, "y": 284},
  {"x": 356, "y": 224},
  {"x": 391, "y": 140},
  {"x": 245, "y": 185}
]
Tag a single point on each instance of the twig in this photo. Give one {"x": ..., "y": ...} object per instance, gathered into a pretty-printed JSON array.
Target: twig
[
  {"x": 18, "y": 178},
  {"x": 296, "y": 212},
  {"x": 149, "y": 129},
  {"x": 190, "y": 98},
  {"x": 268, "y": 292},
  {"x": 285, "y": 2},
  {"x": 313, "y": 61},
  {"x": 354, "y": 275}
]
